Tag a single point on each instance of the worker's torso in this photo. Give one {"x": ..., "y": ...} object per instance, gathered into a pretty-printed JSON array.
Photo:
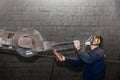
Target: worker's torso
[{"x": 95, "y": 71}]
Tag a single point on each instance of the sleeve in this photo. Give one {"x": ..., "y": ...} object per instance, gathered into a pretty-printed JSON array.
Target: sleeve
[
  {"x": 88, "y": 58},
  {"x": 74, "y": 62}
]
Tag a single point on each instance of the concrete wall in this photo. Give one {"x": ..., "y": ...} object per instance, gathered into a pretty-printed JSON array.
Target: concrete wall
[{"x": 60, "y": 20}]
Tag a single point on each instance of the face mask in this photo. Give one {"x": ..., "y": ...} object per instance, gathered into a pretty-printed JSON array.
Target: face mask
[{"x": 89, "y": 41}]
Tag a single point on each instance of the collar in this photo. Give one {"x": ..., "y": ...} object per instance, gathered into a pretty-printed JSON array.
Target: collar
[{"x": 95, "y": 49}]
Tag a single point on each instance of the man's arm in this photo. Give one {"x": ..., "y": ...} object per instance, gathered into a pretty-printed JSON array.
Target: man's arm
[
  {"x": 61, "y": 58},
  {"x": 85, "y": 57},
  {"x": 74, "y": 62}
]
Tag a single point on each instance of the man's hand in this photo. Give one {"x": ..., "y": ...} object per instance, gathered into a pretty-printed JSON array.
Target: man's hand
[
  {"x": 77, "y": 44},
  {"x": 59, "y": 57}
]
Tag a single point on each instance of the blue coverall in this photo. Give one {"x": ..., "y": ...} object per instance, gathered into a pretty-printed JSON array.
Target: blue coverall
[{"x": 93, "y": 62}]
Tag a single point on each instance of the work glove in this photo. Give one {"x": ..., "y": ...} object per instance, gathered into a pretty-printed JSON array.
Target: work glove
[
  {"x": 59, "y": 57},
  {"x": 77, "y": 44}
]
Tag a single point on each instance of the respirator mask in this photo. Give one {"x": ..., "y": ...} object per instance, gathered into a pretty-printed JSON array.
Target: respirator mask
[{"x": 92, "y": 40}]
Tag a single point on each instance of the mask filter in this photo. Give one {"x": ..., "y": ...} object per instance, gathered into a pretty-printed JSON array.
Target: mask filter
[{"x": 89, "y": 41}]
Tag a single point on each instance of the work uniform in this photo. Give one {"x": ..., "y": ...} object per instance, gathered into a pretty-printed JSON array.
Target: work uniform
[{"x": 93, "y": 62}]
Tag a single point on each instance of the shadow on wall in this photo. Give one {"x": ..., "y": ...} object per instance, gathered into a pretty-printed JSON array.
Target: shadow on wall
[{"x": 22, "y": 59}]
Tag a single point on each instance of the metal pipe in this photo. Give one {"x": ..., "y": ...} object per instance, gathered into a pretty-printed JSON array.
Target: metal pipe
[
  {"x": 63, "y": 43},
  {"x": 50, "y": 56},
  {"x": 112, "y": 61}
]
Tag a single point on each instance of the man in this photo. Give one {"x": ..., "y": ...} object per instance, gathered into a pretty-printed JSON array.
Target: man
[{"x": 93, "y": 61}]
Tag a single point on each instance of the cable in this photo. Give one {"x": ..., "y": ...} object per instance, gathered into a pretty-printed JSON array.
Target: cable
[{"x": 52, "y": 70}]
